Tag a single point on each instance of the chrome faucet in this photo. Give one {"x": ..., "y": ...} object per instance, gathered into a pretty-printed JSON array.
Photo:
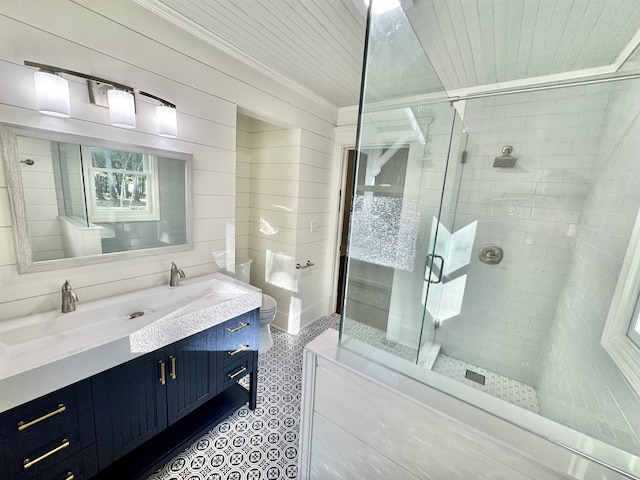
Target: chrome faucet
[
  {"x": 176, "y": 275},
  {"x": 69, "y": 298}
]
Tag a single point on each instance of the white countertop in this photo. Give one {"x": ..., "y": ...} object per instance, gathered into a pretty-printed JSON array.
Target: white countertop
[{"x": 42, "y": 353}]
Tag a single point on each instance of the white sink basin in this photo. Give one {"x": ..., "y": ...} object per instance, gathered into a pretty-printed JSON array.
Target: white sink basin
[{"x": 168, "y": 314}]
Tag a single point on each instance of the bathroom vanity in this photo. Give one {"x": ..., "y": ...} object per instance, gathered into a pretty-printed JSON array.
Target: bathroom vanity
[{"x": 151, "y": 391}]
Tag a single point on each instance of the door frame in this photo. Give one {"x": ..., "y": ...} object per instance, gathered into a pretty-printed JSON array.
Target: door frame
[{"x": 345, "y": 140}]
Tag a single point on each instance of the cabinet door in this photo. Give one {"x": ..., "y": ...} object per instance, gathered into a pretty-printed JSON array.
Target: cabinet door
[
  {"x": 191, "y": 379},
  {"x": 130, "y": 405}
]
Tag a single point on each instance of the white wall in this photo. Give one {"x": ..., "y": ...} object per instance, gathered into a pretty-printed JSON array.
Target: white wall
[
  {"x": 580, "y": 385},
  {"x": 124, "y": 42},
  {"x": 531, "y": 212},
  {"x": 289, "y": 184},
  {"x": 243, "y": 185}
]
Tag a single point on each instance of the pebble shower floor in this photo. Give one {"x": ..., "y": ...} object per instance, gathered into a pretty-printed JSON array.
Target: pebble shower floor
[{"x": 260, "y": 444}]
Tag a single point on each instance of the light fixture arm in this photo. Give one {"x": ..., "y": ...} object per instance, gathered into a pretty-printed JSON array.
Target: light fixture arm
[
  {"x": 119, "y": 86},
  {"x": 158, "y": 99}
]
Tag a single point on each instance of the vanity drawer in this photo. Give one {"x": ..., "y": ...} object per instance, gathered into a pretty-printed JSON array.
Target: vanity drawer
[
  {"x": 32, "y": 461},
  {"x": 46, "y": 431},
  {"x": 235, "y": 371},
  {"x": 41, "y": 418},
  {"x": 242, "y": 330},
  {"x": 80, "y": 466},
  {"x": 230, "y": 357}
]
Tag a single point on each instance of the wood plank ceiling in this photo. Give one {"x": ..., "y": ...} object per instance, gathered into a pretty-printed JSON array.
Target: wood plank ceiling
[{"x": 318, "y": 44}]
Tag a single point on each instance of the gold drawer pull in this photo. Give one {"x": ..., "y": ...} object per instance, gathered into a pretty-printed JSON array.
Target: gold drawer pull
[
  {"x": 23, "y": 426},
  {"x": 240, "y": 327},
  {"x": 163, "y": 377},
  {"x": 241, "y": 349},
  {"x": 30, "y": 463},
  {"x": 69, "y": 476},
  {"x": 173, "y": 367},
  {"x": 234, "y": 375}
]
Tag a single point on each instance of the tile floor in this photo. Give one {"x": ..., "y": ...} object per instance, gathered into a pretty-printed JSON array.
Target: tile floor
[
  {"x": 263, "y": 444},
  {"x": 259, "y": 444},
  {"x": 496, "y": 385},
  {"x": 377, "y": 338}
]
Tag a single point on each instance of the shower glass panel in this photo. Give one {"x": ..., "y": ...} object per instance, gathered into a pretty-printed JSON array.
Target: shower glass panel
[
  {"x": 402, "y": 159},
  {"x": 493, "y": 252}
]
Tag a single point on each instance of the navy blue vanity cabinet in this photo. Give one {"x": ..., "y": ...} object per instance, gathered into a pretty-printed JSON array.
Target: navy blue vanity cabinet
[
  {"x": 130, "y": 402},
  {"x": 238, "y": 352},
  {"x": 51, "y": 437},
  {"x": 191, "y": 377},
  {"x": 150, "y": 408},
  {"x": 139, "y": 399}
]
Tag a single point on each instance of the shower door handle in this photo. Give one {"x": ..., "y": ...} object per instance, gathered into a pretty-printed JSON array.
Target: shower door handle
[{"x": 431, "y": 258}]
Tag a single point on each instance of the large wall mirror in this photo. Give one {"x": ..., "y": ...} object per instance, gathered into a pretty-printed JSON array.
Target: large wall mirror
[{"x": 77, "y": 200}]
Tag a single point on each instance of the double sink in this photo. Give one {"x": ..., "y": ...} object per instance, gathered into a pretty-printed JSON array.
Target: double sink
[{"x": 114, "y": 330}]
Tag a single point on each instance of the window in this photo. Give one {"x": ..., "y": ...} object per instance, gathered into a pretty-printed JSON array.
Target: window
[
  {"x": 621, "y": 334},
  {"x": 634, "y": 326},
  {"x": 120, "y": 186}
]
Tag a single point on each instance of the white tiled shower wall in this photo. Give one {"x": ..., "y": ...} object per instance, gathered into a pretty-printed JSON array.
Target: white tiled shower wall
[
  {"x": 580, "y": 385},
  {"x": 531, "y": 211}
]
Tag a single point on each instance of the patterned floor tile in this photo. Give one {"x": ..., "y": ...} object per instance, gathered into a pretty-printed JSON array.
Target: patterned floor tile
[
  {"x": 260, "y": 444},
  {"x": 378, "y": 338},
  {"x": 496, "y": 385}
]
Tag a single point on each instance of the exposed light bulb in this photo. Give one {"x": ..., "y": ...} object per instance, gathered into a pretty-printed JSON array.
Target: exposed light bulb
[{"x": 52, "y": 94}]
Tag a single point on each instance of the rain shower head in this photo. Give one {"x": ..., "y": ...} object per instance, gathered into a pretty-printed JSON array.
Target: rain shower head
[{"x": 506, "y": 160}]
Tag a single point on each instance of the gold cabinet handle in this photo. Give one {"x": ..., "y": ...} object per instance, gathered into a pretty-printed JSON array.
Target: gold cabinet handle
[
  {"x": 240, "y": 327},
  {"x": 163, "y": 378},
  {"x": 173, "y": 367},
  {"x": 30, "y": 463},
  {"x": 69, "y": 476},
  {"x": 234, "y": 375},
  {"x": 24, "y": 425},
  {"x": 241, "y": 349}
]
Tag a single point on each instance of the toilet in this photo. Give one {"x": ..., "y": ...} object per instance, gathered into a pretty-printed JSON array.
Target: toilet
[{"x": 268, "y": 309}]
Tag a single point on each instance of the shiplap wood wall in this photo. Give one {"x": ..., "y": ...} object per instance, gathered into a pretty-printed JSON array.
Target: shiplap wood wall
[{"x": 123, "y": 42}]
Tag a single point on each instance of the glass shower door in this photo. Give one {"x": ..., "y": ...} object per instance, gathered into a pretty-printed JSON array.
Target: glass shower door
[
  {"x": 404, "y": 144},
  {"x": 449, "y": 253}
]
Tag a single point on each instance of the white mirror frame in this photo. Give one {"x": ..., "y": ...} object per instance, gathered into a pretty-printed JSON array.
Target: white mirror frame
[{"x": 24, "y": 258}]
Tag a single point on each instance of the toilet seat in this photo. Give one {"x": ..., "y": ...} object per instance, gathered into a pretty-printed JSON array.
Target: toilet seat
[
  {"x": 268, "y": 303},
  {"x": 267, "y": 314}
]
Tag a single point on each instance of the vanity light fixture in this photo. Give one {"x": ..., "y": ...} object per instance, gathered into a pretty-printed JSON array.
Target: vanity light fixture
[
  {"x": 167, "y": 121},
  {"x": 122, "y": 108},
  {"x": 52, "y": 92}
]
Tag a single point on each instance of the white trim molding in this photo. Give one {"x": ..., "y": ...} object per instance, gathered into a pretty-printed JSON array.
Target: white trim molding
[
  {"x": 186, "y": 24},
  {"x": 624, "y": 353}
]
